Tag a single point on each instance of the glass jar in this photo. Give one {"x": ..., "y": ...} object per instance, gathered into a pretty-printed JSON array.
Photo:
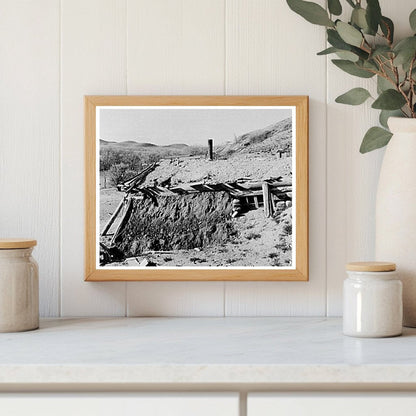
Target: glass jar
[
  {"x": 19, "y": 286},
  {"x": 372, "y": 300}
]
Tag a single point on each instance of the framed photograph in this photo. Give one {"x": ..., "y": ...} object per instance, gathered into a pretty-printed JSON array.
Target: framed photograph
[{"x": 196, "y": 188}]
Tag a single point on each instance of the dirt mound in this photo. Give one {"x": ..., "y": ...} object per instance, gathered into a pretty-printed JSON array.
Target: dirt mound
[
  {"x": 253, "y": 166},
  {"x": 283, "y": 255},
  {"x": 277, "y": 137},
  {"x": 178, "y": 223}
]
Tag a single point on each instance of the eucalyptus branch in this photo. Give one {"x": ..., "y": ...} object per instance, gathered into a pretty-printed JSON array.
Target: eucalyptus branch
[
  {"x": 411, "y": 82},
  {"x": 385, "y": 75},
  {"x": 395, "y": 71},
  {"x": 405, "y": 96},
  {"x": 366, "y": 43},
  {"x": 368, "y": 50}
]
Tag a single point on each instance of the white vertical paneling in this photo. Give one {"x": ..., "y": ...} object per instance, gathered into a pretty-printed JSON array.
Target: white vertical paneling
[
  {"x": 93, "y": 59},
  {"x": 271, "y": 50},
  {"x": 352, "y": 177},
  {"x": 175, "y": 299},
  {"x": 175, "y": 47},
  {"x": 29, "y": 134}
]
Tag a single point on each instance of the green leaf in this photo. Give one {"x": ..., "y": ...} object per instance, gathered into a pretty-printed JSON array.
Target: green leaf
[
  {"x": 347, "y": 55},
  {"x": 327, "y": 51},
  {"x": 352, "y": 68},
  {"x": 373, "y": 15},
  {"x": 386, "y": 114},
  {"x": 405, "y": 51},
  {"x": 311, "y": 12},
  {"x": 412, "y": 20},
  {"x": 371, "y": 64},
  {"x": 358, "y": 18},
  {"x": 375, "y": 138},
  {"x": 351, "y": 3},
  {"x": 356, "y": 96},
  {"x": 381, "y": 50},
  {"x": 334, "y": 7},
  {"x": 349, "y": 34},
  {"x": 389, "y": 100},
  {"x": 335, "y": 40},
  {"x": 383, "y": 84},
  {"x": 350, "y": 56},
  {"x": 387, "y": 27}
]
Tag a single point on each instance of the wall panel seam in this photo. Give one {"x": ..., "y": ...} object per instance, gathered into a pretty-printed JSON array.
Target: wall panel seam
[
  {"x": 60, "y": 162},
  {"x": 326, "y": 181},
  {"x": 126, "y": 4},
  {"x": 126, "y": 28},
  {"x": 224, "y": 293},
  {"x": 326, "y": 188},
  {"x": 225, "y": 51}
]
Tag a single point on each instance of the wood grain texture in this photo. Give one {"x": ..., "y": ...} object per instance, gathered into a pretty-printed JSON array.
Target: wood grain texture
[
  {"x": 300, "y": 272},
  {"x": 176, "y": 47},
  {"x": 93, "y": 60},
  {"x": 371, "y": 266},
  {"x": 261, "y": 58},
  {"x": 12, "y": 243},
  {"x": 352, "y": 177},
  {"x": 29, "y": 135}
]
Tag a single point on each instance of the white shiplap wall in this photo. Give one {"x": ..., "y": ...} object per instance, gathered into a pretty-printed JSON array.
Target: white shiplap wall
[
  {"x": 29, "y": 134},
  {"x": 56, "y": 51}
]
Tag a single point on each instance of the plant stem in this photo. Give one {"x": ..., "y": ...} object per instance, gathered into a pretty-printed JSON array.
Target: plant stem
[{"x": 411, "y": 92}]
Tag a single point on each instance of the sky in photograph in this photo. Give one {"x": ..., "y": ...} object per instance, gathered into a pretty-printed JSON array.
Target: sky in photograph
[{"x": 192, "y": 126}]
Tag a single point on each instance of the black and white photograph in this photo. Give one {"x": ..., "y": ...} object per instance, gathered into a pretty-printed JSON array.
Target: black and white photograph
[{"x": 195, "y": 187}]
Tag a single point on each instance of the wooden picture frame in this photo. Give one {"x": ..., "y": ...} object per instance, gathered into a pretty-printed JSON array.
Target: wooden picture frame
[{"x": 99, "y": 110}]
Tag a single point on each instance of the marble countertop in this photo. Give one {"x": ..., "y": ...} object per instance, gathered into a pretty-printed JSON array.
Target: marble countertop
[{"x": 204, "y": 351}]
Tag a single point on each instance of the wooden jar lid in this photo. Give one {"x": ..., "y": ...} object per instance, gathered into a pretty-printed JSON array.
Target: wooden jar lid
[
  {"x": 371, "y": 266},
  {"x": 11, "y": 243}
]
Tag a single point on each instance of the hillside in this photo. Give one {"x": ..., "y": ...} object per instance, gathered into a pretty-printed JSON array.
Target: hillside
[
  {"x": 273, "y": 138},
  {"x": 142, "y": 146},
  {"x": 253, "y": 156}
]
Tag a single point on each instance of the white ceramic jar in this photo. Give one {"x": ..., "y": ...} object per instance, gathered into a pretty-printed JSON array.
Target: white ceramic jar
[
  {"x": 19, "y": 286},
  {"x": 372, "y": 300}
]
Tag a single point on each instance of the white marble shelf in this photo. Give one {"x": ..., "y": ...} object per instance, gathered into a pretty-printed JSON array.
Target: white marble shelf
[{"x": 203, "y": 351}]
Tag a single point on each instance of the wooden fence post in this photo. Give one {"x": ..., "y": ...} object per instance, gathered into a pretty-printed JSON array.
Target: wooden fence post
[
  {"x": 267, "y": 199},
  {"x": 113, "y": 217},
  {"x": 211, "y": 149}
]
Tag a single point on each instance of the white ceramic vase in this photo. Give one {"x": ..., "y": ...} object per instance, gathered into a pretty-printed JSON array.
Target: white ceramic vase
[{"x": 396, "y": 210}]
